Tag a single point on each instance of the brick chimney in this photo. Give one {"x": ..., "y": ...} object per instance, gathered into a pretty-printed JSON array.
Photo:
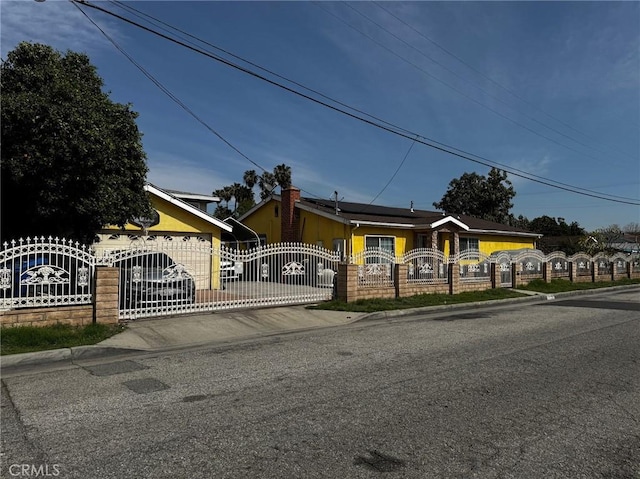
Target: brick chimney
[{"x": 290, "y": 221}]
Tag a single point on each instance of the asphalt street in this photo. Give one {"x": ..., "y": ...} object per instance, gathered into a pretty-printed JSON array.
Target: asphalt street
[{"x": 545, "y": 390}]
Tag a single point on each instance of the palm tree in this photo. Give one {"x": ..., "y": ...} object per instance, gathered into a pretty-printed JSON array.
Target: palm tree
[
  {"x": 250, "y": 178},
  {"x": 282, "y": 174}
]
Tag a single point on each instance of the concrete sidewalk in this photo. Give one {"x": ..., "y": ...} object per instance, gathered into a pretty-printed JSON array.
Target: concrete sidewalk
[
  {"x": 224, "y": 326},
  {"x": 175, "y": 332}
]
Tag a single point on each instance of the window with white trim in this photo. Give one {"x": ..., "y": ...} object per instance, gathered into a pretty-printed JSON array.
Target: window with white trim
[
  {"x": 471, "y": 245},
  {"x": 385, "y": 243}
]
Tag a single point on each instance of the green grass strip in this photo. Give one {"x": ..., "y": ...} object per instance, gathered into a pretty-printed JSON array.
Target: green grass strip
[
  {"x": 563, "y": 285},
  {"x": 418, "y": 301},
  {"x": 25, "y": 339}
]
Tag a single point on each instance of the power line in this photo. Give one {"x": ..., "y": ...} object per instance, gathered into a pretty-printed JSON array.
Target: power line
[
  {"x": 468, "y": 97},
  {"x": 151, "y": 19},
  {"x": 508, "y": 90},
  {"x": 174, "y": 98},
  {"x": 392, "y": 176},
  {"x": 155, "y": 20},
  {"x": 394, "y": 129}
]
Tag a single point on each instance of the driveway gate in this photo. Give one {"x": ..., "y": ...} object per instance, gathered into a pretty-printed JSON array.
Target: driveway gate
[{"x": 168, "y": 278}]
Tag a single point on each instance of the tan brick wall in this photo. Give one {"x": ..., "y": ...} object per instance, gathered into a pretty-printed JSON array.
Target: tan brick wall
[
  {"x": 74, "y": 315},
  {"x": 466, "y": 286},
  {"x": 414, "y": 289}
]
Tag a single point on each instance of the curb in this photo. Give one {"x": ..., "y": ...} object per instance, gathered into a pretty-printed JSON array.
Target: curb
[
  {"x": 534, "y": 297},
  {"x": 63, "y": 355},
  {"x": 68, "y": 355},
  {"x": 399, "y": 313}
]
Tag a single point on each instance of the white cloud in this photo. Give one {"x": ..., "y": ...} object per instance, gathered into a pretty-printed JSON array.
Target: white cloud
[
  {"x": 540, "y": 166},
  {"x": 175, "y": 173},
  {"x": 53, "y": 22}
]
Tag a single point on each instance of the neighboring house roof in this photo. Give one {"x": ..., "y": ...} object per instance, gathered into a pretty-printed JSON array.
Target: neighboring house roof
[
  {"x": 391, "y": 217},
  {"x": 241, "y": 232},
  {"x": 171, "y": 198},
  {"x": 184, "y": 195}
]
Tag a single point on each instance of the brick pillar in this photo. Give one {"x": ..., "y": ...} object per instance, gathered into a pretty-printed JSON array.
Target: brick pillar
[
  {"x": 454, "y": 278},
  {"x": 347, "y": 283},
  {"x": 514, "y": 275},
  {"x": 455, "y": 238},
  {"x": 594, "y": 271},
  {"x": 106, "y": 295},
  {"x": 289, "y": 223},
  {"x": 400, "y": 276},
  {"x": 546, "y": 274}
]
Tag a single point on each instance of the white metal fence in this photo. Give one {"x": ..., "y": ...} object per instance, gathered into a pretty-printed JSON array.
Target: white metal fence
[
  {"x": 170, "y": 277},
  {"x": 426, "y": 266},
  {"x": 166, "y": 278},
  {"x": 45, "y": 272}
]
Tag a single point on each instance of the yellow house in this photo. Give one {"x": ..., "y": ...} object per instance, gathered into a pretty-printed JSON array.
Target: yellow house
[
  {"x": 181, "y": 224},
  {"x": 352, "y": 227}
]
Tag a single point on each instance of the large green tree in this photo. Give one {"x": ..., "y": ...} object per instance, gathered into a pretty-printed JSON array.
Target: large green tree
[
  {"x": 72, "y": 159},
  {"x": 487, "y": 197}
]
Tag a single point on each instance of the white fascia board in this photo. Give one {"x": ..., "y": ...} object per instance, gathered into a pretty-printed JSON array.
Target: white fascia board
[
  {"x": 384, "y": 225},
  {"x": 198, "y": 197},
  {"x": 449, "y": 219},
  {"x": 506, "y": 233},
  {"x": 187, "y": 207}
]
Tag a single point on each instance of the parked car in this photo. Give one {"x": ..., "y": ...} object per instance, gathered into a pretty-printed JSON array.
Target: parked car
[
  {"x": 154, "y": 279},
  {"x": 230, "y": 270}
]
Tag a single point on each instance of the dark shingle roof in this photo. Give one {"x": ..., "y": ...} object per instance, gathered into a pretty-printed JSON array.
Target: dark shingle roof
[{"x": 391, "y": 215}]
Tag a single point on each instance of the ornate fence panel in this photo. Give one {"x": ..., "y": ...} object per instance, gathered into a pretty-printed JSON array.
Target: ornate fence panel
[
  {"x": 375, "y": 267},
  {"x": 559, "y": 264},
  {"x": 426, "y": 266},
  {"x": 603, "y": 264},
  {"x": 162, "y": 277},
  {"x": 503, "y": 266},
  {"x": 530, "y": 264},
  {"x": 167, "y": 278},
  {"x": 619, "y": 263},
  {"x": 474, "y": 266},
  {"x": 582, "y": 264},
  {"x": 45, "y": 272},
  {"x": 635, "y": 263}
]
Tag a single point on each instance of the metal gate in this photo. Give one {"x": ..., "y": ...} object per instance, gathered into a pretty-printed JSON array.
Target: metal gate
[
  {"x": 168, "y": 278},
  {"x": 503, "y": 265}
]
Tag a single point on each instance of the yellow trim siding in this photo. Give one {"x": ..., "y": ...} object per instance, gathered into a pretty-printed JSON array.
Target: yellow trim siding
[{"x": 320, "y": 230}]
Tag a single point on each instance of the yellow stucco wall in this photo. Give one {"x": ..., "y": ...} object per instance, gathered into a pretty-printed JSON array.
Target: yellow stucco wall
[
  {"x": 173, "y": 218},
  {"x": 491, "y": 243},
  {"x": 321, "y": 231},
  {"x": 403, "y": 238},
  {"x": 265, "y": 222}
]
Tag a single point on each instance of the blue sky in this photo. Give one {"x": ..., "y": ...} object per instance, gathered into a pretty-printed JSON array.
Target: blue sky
[{"x": 550, "y": 88}]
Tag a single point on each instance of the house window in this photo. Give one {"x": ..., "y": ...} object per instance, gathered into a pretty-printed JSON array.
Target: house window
[
  {"x": 470, "y": 245},
  {"x": 385, "y": 243},
  {"x": 424, "y": 241}
]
